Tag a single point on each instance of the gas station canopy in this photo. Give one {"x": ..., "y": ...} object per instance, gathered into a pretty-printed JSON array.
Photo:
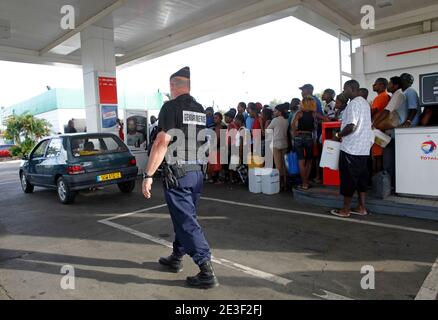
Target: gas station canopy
[{"x": 30, "y": 31}]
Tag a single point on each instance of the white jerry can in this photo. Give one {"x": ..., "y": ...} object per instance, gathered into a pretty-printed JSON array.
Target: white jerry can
[
  {"x": 270, "y": 181},
  {"x": 330, "y": 155},
  {"x": 255, "y": 180}
]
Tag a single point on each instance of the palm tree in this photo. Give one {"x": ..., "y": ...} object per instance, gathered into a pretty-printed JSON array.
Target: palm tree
[{"x": 25, "y": 131}]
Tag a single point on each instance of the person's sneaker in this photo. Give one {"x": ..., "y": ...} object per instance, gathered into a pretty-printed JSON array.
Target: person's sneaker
[
  {"x": 205, "y": 279},
  {"x": 172, "y": 262}
]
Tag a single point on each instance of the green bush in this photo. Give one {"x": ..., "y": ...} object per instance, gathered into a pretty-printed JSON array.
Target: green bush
[{"x": 23, "y": 149}]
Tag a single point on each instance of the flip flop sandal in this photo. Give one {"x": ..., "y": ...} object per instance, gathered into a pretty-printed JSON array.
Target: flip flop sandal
[
  {"x": 338, "y": 214},
  {"x": 302, "y": 188},
  {"x": 357, "y": 213}
]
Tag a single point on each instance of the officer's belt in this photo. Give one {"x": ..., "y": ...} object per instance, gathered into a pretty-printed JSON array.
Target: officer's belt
[{"x": 191, "y": 167}]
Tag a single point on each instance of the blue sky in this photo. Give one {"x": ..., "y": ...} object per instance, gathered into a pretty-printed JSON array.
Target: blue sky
[{"x": 260, "y": 64}]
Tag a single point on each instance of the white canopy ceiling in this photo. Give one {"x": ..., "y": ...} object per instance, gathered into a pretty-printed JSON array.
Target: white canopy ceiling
[{"x": 144, "y": 29}]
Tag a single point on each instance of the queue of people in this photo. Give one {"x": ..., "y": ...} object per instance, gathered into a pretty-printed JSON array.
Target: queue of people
[
  {"x": 387, "y": 112},
  {"x": 297, "y": 127}
]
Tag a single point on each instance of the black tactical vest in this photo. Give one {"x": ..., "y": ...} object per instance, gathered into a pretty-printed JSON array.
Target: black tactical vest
[{"x": 191, "y": 120}]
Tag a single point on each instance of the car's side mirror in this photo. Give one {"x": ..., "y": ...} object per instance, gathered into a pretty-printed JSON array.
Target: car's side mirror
[{"x": 25, "y": 157}]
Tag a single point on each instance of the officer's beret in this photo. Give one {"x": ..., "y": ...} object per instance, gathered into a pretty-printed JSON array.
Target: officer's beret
[{"x": 183, "y": 73}]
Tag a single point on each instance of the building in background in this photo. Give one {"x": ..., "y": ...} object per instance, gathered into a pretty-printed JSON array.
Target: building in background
[{"x": 58, "y": 106}]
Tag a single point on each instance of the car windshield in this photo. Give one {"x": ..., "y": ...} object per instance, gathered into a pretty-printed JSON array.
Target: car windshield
[{"x": 96, "y": 145}]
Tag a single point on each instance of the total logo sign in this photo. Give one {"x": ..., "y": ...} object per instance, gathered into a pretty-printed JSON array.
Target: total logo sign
[{"x": 429, "y": 148}]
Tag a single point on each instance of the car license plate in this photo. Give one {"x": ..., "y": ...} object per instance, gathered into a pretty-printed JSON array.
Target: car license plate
[{"x": 109, "y": 177}]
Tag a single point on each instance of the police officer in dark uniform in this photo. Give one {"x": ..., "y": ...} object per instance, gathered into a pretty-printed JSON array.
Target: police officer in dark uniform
[{"x": 183, "y": 179}]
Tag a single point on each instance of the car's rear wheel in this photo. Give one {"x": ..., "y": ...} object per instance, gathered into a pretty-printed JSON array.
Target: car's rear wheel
[
  {"x": 127, "y": 187},
  {"x": 65, "y": 195},
  {"x": 25, "y": 184}
]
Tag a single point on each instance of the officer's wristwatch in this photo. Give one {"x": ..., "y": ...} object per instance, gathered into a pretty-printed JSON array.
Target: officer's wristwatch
[{"x": 146, "y": 176}]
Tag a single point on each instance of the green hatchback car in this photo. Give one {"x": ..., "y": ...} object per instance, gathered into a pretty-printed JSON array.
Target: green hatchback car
[{"x": 73, "y": 162}]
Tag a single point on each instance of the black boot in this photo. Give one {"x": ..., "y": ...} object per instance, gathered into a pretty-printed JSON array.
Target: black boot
[
  {"x": 206, "y": 279},
  {"x": 173, "y": 262}
]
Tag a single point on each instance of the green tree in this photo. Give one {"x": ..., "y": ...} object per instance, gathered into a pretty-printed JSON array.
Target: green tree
[{"x": 25, "y": 131}]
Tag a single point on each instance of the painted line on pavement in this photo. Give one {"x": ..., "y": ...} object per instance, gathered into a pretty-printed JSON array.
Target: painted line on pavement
[
  {"x": 429, "y": 289},
  {"x": 331, "y": 296},
  {"x": 132, "y": 213},
  {"x": 323, "y": 216},
  {"x": 252, "y": 272},
  {"x": 138, "y": 233},
  {"x": 222, "y": 262}
]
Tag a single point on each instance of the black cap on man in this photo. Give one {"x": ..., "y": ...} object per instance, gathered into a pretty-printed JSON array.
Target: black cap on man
[{"x": 183, "y": 73}]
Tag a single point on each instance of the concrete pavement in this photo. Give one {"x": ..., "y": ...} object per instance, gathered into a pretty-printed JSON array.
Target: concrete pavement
[{"x": 265, "y": 247}]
